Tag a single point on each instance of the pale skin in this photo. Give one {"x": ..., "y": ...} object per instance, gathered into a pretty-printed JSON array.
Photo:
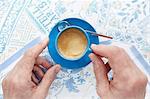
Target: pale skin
[
  {"x": 21, "y": 83},
  {"x": 128, "y": 81}
]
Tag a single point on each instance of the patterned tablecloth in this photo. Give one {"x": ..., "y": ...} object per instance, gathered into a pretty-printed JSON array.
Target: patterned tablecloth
[{"x": 23, "y": 20}]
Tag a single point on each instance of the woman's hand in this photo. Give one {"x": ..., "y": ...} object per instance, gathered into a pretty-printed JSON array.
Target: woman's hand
[
  {"x": 21, "y": 83},
  {"x": 128, "y": 81}
]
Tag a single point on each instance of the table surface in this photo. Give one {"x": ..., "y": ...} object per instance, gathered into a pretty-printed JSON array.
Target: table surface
[{"x": 21, "y": 21}]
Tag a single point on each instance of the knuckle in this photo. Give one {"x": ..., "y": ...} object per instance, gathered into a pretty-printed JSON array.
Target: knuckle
[
  {"x": 7, "y": 81},
  {"x": 118, "y": 53},
  {"x": 13, "y": 81},
  {"x": 116, "y": 50},
  {"x": 138, "y": 81},
  {"x": 143, "y": 79},
  {"x": 98, "y": 90},
  {"x": 96, "y": 67},
  {"x": 121, "y": 50},
  {"x": 17, "y": 83},
  {"x": 134, "y": 82},
  {"x": 101, "y": 92},
  {"x": 4, "y": 82},
  {"x": 51, "y": 79}
]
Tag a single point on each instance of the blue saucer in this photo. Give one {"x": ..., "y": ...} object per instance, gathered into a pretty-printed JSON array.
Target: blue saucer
[{"x": 52, "y": 46}]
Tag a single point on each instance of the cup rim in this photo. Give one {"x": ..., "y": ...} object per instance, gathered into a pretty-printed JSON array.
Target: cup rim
[{"x": 83, "y": 31}]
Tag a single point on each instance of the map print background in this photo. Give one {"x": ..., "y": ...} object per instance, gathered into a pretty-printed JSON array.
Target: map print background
[{"x": 21, "y": 21}]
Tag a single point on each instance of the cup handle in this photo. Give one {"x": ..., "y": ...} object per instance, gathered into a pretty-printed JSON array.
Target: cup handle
[{"x": 62, "y": 25}]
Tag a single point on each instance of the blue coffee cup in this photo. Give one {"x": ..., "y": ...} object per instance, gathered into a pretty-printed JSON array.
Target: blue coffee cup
[
  {"x": 61, "y": 27},
  {"x": 64, "y": 26}
]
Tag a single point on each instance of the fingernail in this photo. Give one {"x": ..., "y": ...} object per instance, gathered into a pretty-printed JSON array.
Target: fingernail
[
  {"x": 57, "y": 68},
  {"x": 92, "y": 57},
  {"x": 93, "y": 46}
]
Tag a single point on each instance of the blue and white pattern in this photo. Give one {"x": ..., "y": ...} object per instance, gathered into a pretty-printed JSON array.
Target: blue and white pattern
[
  {"x": 115, "y": 17},
  {"x": 127, "y": 21},
  {"x": 10, "y": 22}
]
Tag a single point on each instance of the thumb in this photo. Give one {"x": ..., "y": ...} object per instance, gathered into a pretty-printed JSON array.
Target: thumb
[
  {"x": 48, "y": 79},
  {"x": 100, "y": 71}
]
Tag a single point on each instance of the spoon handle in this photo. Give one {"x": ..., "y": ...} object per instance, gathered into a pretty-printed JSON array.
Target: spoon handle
[{"x": 96, "y": 34}]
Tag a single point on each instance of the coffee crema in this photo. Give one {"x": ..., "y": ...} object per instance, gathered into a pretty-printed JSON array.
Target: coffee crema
[{"x": 72, "y": 43}]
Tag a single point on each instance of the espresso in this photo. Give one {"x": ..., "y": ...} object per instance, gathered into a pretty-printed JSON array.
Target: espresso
[{"x": 72, "y": 43}]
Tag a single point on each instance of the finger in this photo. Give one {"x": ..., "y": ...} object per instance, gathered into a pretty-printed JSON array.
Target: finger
[
  {"x": 48, "y": 79},
  {"x": 104, "y": 50},
  {"x": 42, "y": 61},
  {"x": 38, "y": 71},
  {"x": 116, "y": 56},
  {"x": 35, "y": 51},
  {"x": 34, "y": 79},
  {"x": 28, "y": 60},
  {"x": 100, "y": 72}
]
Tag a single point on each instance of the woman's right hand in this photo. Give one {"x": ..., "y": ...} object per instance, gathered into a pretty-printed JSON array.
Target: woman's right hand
[{"x": 128, "y": 81}]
